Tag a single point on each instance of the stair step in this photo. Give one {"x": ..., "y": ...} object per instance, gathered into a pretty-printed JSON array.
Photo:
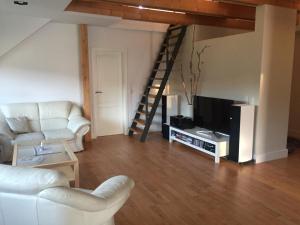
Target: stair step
[
  {"x": 164, "y": 53},
  {"x": 142, "y": 112},
  {"x": 150, "y": 96},
  {"x": 149, "y": 104},
  {"x": 173, "y": 36},
  {"x": 162, "y": 61},
  {"x": 140, "y": 121},
  {"x": 153, "y": 87},
  {"x": 157, "y": 78},
  {"x": 169, "y": 45},
  {"x": 136, "y": 130},
  {"x": 157, "y": 70},
  {"x": 175, "y": 27}
]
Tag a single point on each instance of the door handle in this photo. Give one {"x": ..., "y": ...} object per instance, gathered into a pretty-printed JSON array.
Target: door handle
[{"x": 99, "y": 92}]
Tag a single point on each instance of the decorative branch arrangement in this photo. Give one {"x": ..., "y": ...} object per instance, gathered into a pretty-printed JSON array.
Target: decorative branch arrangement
[{"x": 194, "y": 75}]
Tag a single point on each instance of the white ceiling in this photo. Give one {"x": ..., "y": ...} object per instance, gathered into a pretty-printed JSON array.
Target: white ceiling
[{"x": 54, "y": 10}]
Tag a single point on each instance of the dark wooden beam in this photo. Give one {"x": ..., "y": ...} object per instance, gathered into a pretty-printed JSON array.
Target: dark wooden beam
[
  {"x": 133, "y": 13},
  {"x": 85, "y": 74},
  {"x": 213, "y": 8},
  {"x": 283, "y": 3}
]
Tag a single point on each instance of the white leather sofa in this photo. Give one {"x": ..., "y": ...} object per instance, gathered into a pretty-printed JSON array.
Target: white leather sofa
[
  {"x": 51, "y": 121},
  {"x": 31, "y": 196}
]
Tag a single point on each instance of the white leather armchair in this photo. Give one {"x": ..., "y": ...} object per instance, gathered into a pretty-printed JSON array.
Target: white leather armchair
[{"x": 31, "y": 196}]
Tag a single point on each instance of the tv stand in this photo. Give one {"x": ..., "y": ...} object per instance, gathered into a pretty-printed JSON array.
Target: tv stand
[{"x": 202, "y": 140}]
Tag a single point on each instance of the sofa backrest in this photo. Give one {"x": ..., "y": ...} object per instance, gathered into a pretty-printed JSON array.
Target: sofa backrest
[
  {"x": 54, "y": 115},
  {"x": 29, "y": 110},
  {"x": 44, "y": 115}
]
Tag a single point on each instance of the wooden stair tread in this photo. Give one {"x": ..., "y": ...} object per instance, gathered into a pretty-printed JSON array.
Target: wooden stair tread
[
  {"x": 136, "y": 130},
  {"x": 173, "y": 36},
  {"x": 156, "y": 78},
  {"x": 162, "y": 61},
  {"x": 169, "y": 45},
  {"x": 159, "y": 70},
  {"x": 140, "y": 121},
  {"x": 175, "y": 27},
  {"x": 149, "y": 104},
  {"x": 142, "y": 112},
  {"x": 150, "y": 96},
  {"x": 153, "y": 87}
]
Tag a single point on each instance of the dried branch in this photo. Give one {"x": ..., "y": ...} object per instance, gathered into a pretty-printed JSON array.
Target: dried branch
[
  {"x": 194, "y": 76},
  {"x": 184, "y": 86}
]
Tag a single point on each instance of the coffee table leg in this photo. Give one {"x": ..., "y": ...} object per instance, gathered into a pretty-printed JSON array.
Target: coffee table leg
[{"x": 76, "y": 173}]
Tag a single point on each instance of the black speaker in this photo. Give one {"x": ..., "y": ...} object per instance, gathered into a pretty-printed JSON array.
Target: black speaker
[
  {"x": 241, "y": 133},
  {"x": 234, "y": 142},
  {"x": 165, "y": 131}
]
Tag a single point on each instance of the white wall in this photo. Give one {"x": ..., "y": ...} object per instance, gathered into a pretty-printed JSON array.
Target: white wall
[
  {"x": 275, "y": 28},
  {"x": 140, "y": 48},
  {"x": 230, "y": 69},
  {"x": 44, "y": 67}
]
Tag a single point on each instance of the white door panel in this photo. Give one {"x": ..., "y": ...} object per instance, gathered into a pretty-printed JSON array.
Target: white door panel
[{"x": 108, "y": 96}]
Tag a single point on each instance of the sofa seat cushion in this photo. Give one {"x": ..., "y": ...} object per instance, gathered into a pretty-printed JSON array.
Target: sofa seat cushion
[
  {"x": 60, "y": 134},
  {"x": 29, "y": 138}
]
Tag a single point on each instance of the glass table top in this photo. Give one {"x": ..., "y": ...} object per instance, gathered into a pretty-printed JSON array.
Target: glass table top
[{"x": 34, "y": 155}]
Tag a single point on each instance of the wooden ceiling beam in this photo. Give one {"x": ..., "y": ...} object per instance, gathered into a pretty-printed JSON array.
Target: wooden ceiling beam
[
  {"x": 204, "y": 7},
  {"x": 283, "y": 3},
  {"x": 132, "y": 13}
]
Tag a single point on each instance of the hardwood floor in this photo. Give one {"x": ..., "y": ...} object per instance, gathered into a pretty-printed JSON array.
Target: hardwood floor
[{"x": 178, "y": 186}]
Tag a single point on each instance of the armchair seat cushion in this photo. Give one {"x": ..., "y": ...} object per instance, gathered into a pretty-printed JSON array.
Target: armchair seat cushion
[
  {"x": 29, "y": 138},
  {"x": 59, "y": 134}
]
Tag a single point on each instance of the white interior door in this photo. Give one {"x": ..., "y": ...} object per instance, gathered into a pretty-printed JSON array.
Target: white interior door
[{"x": 108, "y": 93}]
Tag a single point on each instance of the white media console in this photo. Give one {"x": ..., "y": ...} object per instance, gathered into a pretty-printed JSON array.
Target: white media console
[{"x": 201, "y": 140}]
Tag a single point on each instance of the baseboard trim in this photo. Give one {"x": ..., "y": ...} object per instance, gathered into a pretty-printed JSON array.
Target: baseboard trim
[{"x": 269, "y": 156}]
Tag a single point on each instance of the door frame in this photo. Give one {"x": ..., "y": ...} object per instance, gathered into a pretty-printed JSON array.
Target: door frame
[{"x": 123, "y": 54}]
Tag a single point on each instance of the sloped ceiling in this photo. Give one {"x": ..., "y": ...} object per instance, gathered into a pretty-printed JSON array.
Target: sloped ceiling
[
  {"x": 16, "y": 28},
  {"x": 19, "y": 22}
]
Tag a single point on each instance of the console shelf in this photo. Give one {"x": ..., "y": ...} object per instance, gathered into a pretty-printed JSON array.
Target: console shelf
[{"x": 216, "y": 146}]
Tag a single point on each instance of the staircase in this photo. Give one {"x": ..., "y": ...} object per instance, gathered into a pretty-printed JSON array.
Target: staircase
[{"x": 157, "y": 81}]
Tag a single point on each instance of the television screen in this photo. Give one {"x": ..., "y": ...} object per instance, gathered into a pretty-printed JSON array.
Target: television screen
[{"x": 212, "y": 113}]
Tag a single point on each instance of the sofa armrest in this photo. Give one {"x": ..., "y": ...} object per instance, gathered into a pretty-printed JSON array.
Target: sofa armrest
[
  {"x": 76, "y": 123},
  {"x": 114, "y": 190},
  {"x": 5, "y": 131}
]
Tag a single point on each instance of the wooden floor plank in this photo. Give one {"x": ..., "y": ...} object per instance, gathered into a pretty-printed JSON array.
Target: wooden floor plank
[{"x": 177, "y": 185}]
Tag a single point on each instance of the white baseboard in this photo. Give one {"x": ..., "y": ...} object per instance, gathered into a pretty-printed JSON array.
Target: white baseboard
[
  {"x": 269, "y": 156},
  {"x": 294, "y": 133}
]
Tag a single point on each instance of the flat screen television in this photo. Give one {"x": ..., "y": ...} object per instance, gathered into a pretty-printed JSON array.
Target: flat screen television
[{"x": 212, "y": 113}]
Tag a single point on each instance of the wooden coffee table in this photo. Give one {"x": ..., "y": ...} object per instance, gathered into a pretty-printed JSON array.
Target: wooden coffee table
[{"x": 59, "y": 156}]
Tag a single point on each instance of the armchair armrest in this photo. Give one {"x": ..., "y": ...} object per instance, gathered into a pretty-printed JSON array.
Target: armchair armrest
[
  {"x": 5, "y": 131},
  {"x": 114, "y": 190},
  {"x": 74, "y": 198},
  {"x": 76, "y": 123},
  {"x": 105, "y": 196}
]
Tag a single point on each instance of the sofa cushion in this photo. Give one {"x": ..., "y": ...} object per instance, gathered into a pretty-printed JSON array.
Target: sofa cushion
[
  {"x": 60, "y": 134},
  {"x": 29, "y": 110},
  {"x": 29, "y": 138},
  {"x": 54, "y": 115},
  {"x": 19, "y": 125}
]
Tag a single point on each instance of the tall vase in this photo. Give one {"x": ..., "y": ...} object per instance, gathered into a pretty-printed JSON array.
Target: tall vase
[{"x": 189, "y": 110}]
